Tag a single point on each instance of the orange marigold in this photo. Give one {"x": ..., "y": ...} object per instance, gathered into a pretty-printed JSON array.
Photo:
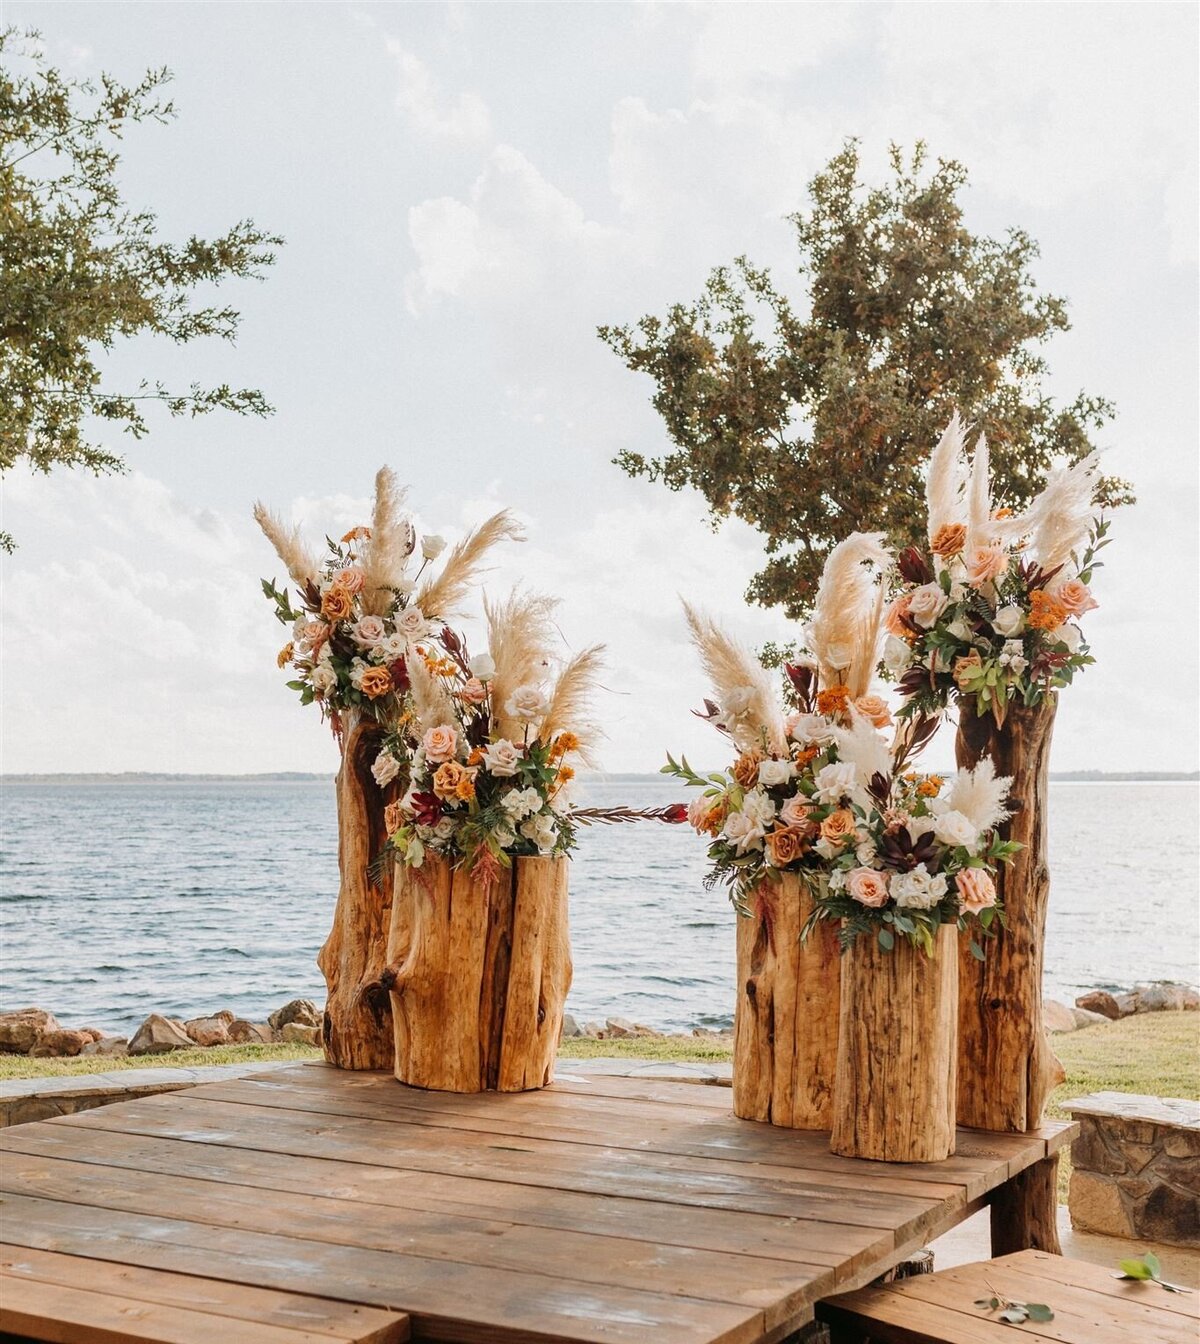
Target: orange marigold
[
  {"x": 834, "y": 700},
  {"x": 802, "y": 755},
  {"x": 1045, "y": 612},
  {"x": 931, "y": 787},
  {"x": 465, "y": 788},
  {"x": 356, "y": 532},
  {"x": 565, "y": 773},
  {"x": 565, "y": 743},
  {"x": 285, "y": 654},
  {"x": 476, "y": 757}
]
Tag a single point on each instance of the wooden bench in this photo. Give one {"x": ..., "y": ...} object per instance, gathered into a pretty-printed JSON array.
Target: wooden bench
[
  {"x": 66, "y": 1299},
  {"x": 1090, "y": 1306}
]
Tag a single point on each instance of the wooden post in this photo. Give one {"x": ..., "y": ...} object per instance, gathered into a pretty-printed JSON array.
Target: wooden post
[
  {"x": 1006, "y": 1068},
  {"x": 479, "y": 976},
  {"x": 786, "y": 1015},
  {"x": 1024, "y": 1210},
  {"x": 893, "y": 1098},
  {"x": 357, "y": 1030}
]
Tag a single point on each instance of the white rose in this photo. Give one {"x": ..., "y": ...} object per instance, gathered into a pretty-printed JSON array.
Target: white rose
[
  {"x": 502, "y": 758},
  {"x": 897, "y": 654},
  {"x": 742, "y": 833},
  {"x": 367, "y": 632},
  {"x": 542, "y": 831},
  {"x": 826, "y": 850},
  {"x": 837, "y": 879},
  {"x": 914, "y": 891},
  {"x": 811, "y": 729},
  {"x": 839, "y": 655},
  {"x": 444, "y": 829},
  {"x": 919, "y": 826},
  {"x": 865, "y": 853},
  {"x": 392, "y": 647},
  {"x": 385, "y": 768},
  {"x": 324, "y": 679},
  {"x": 526, "y": 702},
  {"x": 299, "y": 625},
  {"x": 952, "y": 828},
  {"x": 834, "y": 782},
  {"x": 926, "y": 604},
  {"x": 771, "y": 773},
  {"x": 738, "y": 700},
  {"x": 520, "y": 803},
  {"x": 432, "y": 546},
  {"x": 504, "y": 836},
  {"x": 411, "y": 623},
  {"x": 357, "y": 668},
  {"x": 1008, "y": 621},
  {"x": 483, "y": 666},
  {"x": 959, "y": 629},
  {"x": 1070, "y": 635},
  {"x": 759, "y": 808}
]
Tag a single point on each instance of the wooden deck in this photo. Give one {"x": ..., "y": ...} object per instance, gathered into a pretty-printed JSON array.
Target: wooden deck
[{"x": 602, "y": 1209}]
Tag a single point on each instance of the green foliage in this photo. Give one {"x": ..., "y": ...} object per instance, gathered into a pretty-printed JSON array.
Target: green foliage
[
  {"x": 80, "y": 269},
  {"x": 1015, "y": 1313},
  {"x": 810, "y": 426},
  {"x": 1148, "y": 1269}
]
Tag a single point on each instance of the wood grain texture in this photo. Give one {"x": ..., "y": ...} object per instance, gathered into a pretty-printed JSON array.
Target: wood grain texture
[
  {"x": 786, "y": 1014},
  {"x": 1024, "y": 1211},
  {"x": 894, "y": 1091},
  {"x": 357, "y": 1031},
  {"x": 1006, "y": 1066},
  {"x": 479, "y": 976}
]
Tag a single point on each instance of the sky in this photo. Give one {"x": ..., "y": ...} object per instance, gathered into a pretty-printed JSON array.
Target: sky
[{"x": 466, "y": 192}]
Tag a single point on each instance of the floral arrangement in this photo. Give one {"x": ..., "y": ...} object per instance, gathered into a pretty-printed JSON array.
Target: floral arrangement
[
  {"x": 820, "y": 792},
  {"x": 991, "y": 613},
  {"x": 360, "y": 618}
]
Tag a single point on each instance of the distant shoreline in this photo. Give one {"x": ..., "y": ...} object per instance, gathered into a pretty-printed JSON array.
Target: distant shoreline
[{"x": 134, "y": 777}]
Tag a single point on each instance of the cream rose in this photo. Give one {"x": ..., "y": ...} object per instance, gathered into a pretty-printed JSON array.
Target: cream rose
[
  {"x": 773, "y": 773},
  {"x": 867, "y": 887},
  {"x": 897, "y": 655},
  {"x": 482, "y": 666},
  {"x": 324, "y": 679},
  {"x": 368, "y": 631},
  {"x": 502, "y": 758},
  {"x": 742, "y": 833},
  {"x": 926, "y": 604},
  {"x": 834, "y": 782},
  {"x": 1008, "y": 621},
  {"x": 526, "y": 703},
  {"x": 976, "y": 890},
  {"x": 440, "y": 743},
  {"x": 812, "y": 728},
  {"x": 1068, "y": 634},
  {"x": 918, "y": 890},
  {"x": 411, "y": 623},
  {"x": 952, "y": 828},
  {"x": 432, "y": 546},
  {"x": 385, "y": 768}
]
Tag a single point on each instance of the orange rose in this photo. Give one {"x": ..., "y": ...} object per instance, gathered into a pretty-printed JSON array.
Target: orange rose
[
  {"x": 949, "y": 540},
  {"x": 393, "y": 818},
  {"x": 336, "y": 604},
  {"x": 985, "y": 564},
  {"x": 447, "y": 779},
  {"x": 965, "y": 668},
  {"x": 376, "y": 681},
  {"x": 976, "y": 890},
  {"x": 745, "y": 768},
  {"x": 1045, "y": 612},
  {"x": 893, "y": 619},
  {"x": 786, "y": 844},
  {"x": 874, "y": 707},
  {"x": 285, "y": 655},
  {"x": 1076, "y": 597},
  {"x": 834, "y": 701},
  {"x": 838, "y": 827}
]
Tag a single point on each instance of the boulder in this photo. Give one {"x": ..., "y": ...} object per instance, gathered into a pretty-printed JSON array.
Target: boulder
[
  {"x": 159, "y": 1034},
  {"x": 1057, "y": 1016},
  {"x": 594, "y": 1030},
  {"x": 107, "y": 1047},
  {"x": 93, "y": 1033},
  {"x": 59, "y": 1044},
  {"x": 570, "y": 1028},
  {"x": 242, "y": 1032},
  {"x": 1099, "y": 1001},
  {"x": 1084, "y": 1017},
  {"x": 208, "y": 1031},
  {"x": 226, "y": 1016},
  {"x": 298, "y": 1033},
  {"x": 21, "y": 1030},
  {"x": 303, "y": 1011},
  {"x": 1165, "y": 996}
]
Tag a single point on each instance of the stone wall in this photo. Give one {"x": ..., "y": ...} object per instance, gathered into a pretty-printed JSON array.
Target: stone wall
[{"x": 1137, "y": 1167}]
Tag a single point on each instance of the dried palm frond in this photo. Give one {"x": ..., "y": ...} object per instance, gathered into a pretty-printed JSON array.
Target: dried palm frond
[
  {"x": 392, "y": 538},
  {"x": 946, "y": 481},
  {"x": 570, "y": 708},
  {"x": 1060, "y": 518},
  {"x": 442, "y": 595},
  {"x": 843, "y": 634},
  {"x": 521, "y": 641},
  {"x": 980, "y": 795},
  {"x": 865, "y": 748},
  {"x": 743, "y": 689},
  {"x": 432, "y": 704},
  {"x": 302, "y": 564}
]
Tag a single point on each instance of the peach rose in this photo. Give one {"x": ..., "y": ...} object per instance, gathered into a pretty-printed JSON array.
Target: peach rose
[
  {"x": 795, "y": 812},
  {"x": 336, "y": 604},
  {"x": 440, "y": 743},
  {"x": 376, "y": 681},
  {"x": 893, "y": 618},
  {"x": 473, "y": 692},
  {"x": 948, "y": 540},
  {"x": 447, "y": 779},
  {"x": 786, "y": 844},
  {"x": 966, "y": 668},
  {"x": 314, "y": 635},
  {"x": 393, "y": 818},
  {"x": 976, "y": 890},
  {"x": 867, "y": 887},
  {"x": 874, "y": 707},
  {"x": 985, "y": 564},
  {"x": 351, "y": 579},
  {"x": 1077, "y": 597},
  {"x": 745, "y": 769},
  {"x": 838, "y": 827},
  {"x": 707, "y": 815}
]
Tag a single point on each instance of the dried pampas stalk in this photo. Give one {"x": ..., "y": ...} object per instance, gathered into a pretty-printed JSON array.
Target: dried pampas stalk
[
  {"x": 521, "y": 639},
  {"x": 843, "y": 634},
  {"x": 736, "y": 675},
  {"x": 1061, "y": 517},
  {"x": 301, "y": 564},
  {"x": 432, "y": 704},
  {"x": 570, "y": 708},
  {"x": 862, "y": 745},
  {"x": 981, "y": 530},
  {"x": 980, "y": 795},
  {"x": 442, "y": 595},
  {"x": 946, "y": 481},
  {"x": 386, "y": 556}
]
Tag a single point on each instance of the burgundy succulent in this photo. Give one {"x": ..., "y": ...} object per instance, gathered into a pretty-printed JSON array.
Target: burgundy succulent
[
  {"x": 913, "y": 566},
  {"x": 903, "y": 852}
]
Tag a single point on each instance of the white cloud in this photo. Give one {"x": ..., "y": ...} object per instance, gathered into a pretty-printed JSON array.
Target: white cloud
[
  {"x": 464, "y": 118},
  {"x": 742, "y": 45}
]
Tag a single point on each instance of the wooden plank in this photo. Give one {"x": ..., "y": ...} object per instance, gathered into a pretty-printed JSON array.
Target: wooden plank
[
  {"x": 728, "y": 1231},
  {"x": 469, "y": 1304},
  {"x": 778, "y": 1288},
  {"x": 909, "y": 1322},
  {"x": 313, "y": 1316},
  {"x": 61, "y": 1314},
  {"x": 1057, "y": 1269}
]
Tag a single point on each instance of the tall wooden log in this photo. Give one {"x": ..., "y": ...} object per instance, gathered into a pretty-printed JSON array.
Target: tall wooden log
[
  {"x": 357, "y": 1030},
  {"x": 479, "y": 976},
  {"x": 786, "y": 1015},
  {"x": 1006, "y": 1068},
  {"x": 893, "y": 1098}
]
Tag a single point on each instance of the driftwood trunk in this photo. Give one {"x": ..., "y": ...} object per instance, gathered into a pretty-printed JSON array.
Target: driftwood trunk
[
  {"x": 479, "y": 976},
  {"x": 894, "y": 1093},
  {"x": 357, "y": 1030},
  {"x": 1006, "y": 1068},
  {"x": 786, "y": 1019}
]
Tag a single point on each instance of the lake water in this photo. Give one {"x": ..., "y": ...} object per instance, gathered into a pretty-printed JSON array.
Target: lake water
[{"x": 122, "y": 899}]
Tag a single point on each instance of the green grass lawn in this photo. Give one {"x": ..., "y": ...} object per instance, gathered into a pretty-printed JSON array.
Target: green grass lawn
[{"x": 1157, "y": 1054}]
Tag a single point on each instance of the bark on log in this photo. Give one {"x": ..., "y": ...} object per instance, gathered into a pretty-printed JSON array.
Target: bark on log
[
  {"x": 357, "y": 1031},
  {"x": 1024, "y": 1211},
  {"x": 479, "y": 976},
  {"x": 786, "y": 1015},
  {"x": 1006, "y": 1068},
  {"x": 893, "y": 1097}
]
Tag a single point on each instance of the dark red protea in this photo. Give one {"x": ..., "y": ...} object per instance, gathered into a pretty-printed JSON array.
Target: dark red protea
[
  {"x": 450, "y": 641},
  {"x": 913, "y": 566},
  {"x": 675, "y": 813},
  {"x": 398, "y": 671},
  {"x": 427, "y": 809}
]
